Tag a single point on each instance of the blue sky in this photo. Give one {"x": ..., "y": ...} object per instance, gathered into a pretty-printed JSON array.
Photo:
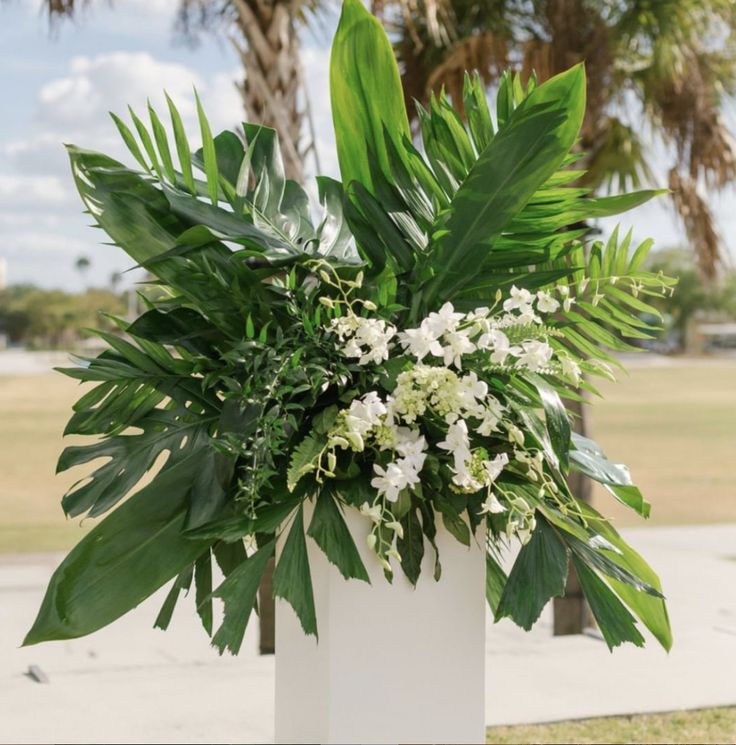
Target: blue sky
[{"x": 58, "y": 88}]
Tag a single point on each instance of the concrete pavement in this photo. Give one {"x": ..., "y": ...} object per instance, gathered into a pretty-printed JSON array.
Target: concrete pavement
[{"x": 130, "y": 683}]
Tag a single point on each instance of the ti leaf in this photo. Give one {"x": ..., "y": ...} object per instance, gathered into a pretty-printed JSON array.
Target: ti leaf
[
  {"x": 366, "y": 93},
  {"x": 411, "y": 546}
]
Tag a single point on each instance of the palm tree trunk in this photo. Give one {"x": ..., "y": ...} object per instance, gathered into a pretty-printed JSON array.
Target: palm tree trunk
[
  {"x": 571, "y": 613},
  {"x": 268, "y": 47},
  {"x": 269, "y": 52}
]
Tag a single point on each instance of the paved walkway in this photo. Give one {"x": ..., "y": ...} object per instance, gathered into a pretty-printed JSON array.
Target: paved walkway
[{"x": 130, "y": 683}]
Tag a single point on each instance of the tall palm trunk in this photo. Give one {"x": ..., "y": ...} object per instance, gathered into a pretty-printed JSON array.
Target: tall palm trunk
[
  {"x": 270, "y": 91},
  {"x": 272, "y": 82}
]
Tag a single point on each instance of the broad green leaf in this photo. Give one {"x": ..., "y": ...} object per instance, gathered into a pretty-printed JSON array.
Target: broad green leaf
[
  {"x": 366, "y": 94},
  {"x": 495, "y": 582},
  {"x": 650, "y": 610},
  {"x": 539, "y": 574},
  {"x": 131, "y": 456},
  {"x": 292, "y": 580},
  {"x": 239, "y": 592},
  {"x": 616, "y": 623},
  {"x": 588, "y": 458},
  {"x": 121, "y": 561},
  {"x": 453, "y": 522},
  {"x": 181, "y": 583},
  {"x": 203, "y": 585},
  {"x": 557, "y": 420},
  {"x": 522, "y": 156},
  {"x": 411, "y": 546},
  {"x": 331, "y": 534}
]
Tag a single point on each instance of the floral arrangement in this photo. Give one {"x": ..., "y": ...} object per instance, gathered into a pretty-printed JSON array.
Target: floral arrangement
[{"x": 404, "y": 350}]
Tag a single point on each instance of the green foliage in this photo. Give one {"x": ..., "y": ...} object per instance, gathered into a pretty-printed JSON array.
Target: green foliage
[
  {"x": 539, "y": 574},
  {"x": 366, "y": 94},
  {"x": 230, "y": 382},
  {"x": 331, "y": 534},
  {"x": 292, "y": 580},
  {"x": 122, "y": 561}
]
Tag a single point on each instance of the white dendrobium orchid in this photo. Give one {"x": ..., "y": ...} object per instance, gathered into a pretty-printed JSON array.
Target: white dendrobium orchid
[
  {"x": 494, "y": 467},
  {"x": 373, "y": 511},
  {"x": 388, "y": 482},
  {"x": 445, "y": 320},
  {"x": 499, "y": 343},
  {"x": 571, "y": 370},
  {"x": 519, "y": 299},
  {"x": 456, "y": 440},
  {"x": 458, "y": 343},
  {"x": 546, "y": 303},
  {"x": 535, "y": 355},
  {"x": 410, "y": 443},
  {"x": 368, "y": 409},
  {"x": 491, "y": 505},
  {"x": 421, "y": 341}
]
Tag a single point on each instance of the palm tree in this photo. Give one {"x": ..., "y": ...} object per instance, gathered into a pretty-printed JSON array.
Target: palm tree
[
  {"x": 264, "y": 33},
  {"x": 82, "y": 265},
  {"x": 663, "y": 68}
]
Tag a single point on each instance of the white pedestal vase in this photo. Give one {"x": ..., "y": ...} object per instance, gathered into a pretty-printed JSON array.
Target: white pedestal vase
[{"x": 394, "y": 664}]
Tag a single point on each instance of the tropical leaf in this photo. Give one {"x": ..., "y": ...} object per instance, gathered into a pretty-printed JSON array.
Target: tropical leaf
[{"x": 121, "y": 561}]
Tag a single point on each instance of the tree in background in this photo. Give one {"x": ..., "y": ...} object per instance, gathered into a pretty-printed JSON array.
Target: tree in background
[
  {"x": 82, "y": 265},
  {"x": 39, "y": 318},
  {"x": 663, "y": 67}
]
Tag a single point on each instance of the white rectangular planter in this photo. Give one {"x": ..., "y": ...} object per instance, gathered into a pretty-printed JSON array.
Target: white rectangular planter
[{"x": 394, "y": 664}]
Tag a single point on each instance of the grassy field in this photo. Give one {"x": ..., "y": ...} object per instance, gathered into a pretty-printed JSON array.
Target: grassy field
[
  {"x": 675, "y": 427},
  {"x": 701, "y": 726}
]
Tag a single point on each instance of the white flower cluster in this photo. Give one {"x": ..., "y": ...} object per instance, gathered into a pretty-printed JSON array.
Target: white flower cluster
[
  {"x": 435, "y": 390},
  {"x": 365, "y": 338},
  {"x": 448, "y": 336}
]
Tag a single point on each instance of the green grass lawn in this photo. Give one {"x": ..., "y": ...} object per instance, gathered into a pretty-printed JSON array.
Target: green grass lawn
[
  {"x": 699, "y": 726},
  {"x": 674, "y": 426}
]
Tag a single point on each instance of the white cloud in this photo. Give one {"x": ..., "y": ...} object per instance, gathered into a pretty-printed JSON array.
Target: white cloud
[
  {"x": 41, "y": 221},
  {"x": 33, "y": 192}
]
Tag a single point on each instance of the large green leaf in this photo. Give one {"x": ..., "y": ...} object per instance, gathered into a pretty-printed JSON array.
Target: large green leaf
[
  {"x": 588, "y": 458},
  {"x": 495, "y": 582},
  {"x": 292, "y": 580},
  {"x": 131, "y": 456},
  {"x": 331, "y": 534},
  {"x": 411, "y": 545},
  {"x": 650, "y": 609},
  {"x": 539, "y": 573},
  {"x": 616, "y": 623},
  {"x": 523, "y": 155},
  {"x": 121, "y": 561},
  {"x": 366, "y": 93},
  {"x": 239, "y": 592}
]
